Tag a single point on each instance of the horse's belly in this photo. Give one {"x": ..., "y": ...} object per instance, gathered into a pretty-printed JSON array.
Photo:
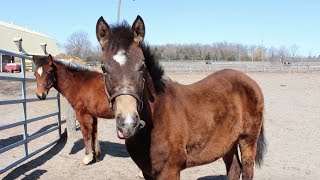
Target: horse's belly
[
  {"x": 211, "y": 150},
  {"x": 204, "y": 156}
]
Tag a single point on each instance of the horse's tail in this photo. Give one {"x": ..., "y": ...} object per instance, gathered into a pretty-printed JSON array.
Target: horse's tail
[{"x": 261, "y": 147}]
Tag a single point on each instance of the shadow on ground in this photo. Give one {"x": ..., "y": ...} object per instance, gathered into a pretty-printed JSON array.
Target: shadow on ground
[
  {"x": 221, "y": 177},
  {"x": 24, "y": 168},
  {"x": 110, "y": 148}
]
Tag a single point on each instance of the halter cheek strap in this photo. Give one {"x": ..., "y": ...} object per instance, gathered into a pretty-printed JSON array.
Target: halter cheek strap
[{"x": 47, "y": 86}]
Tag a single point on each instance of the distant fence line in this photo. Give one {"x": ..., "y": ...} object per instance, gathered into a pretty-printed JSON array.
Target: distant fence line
[{"x": 212, "y": 66}]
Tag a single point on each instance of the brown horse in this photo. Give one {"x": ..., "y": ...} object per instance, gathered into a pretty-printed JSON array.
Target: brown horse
[
  {"x": 84, "y": 90},
  {"x": 185, "y": 125}
]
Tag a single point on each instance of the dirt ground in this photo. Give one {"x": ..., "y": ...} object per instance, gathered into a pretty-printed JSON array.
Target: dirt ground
[{"x": 292, "y": 123}]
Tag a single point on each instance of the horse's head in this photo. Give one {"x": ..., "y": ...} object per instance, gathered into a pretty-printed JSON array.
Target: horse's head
[
  {"x": 44, "y": 74},
  {"x": 124, "y": 68}
]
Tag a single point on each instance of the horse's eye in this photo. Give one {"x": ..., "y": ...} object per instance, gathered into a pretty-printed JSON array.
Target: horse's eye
[
  {"x": 104, "y": 69},
  {"x": 142, "y": 67}
]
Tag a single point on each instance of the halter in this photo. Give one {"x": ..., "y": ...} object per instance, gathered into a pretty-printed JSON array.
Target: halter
[
  {"x": 46, "y": 86},
  {"x": 125, "y": 90}
]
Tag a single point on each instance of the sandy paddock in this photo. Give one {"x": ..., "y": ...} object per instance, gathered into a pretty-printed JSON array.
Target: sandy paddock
[{"x": 292, "y": 123}]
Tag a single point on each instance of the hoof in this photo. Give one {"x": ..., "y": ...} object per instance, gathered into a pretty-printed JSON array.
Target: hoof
[{"x": 88, "y": 159}]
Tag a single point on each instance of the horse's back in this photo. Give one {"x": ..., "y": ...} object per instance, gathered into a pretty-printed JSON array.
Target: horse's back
[
  {"x": 237, "y": 82},
  {"x": 246, "y": 92}
]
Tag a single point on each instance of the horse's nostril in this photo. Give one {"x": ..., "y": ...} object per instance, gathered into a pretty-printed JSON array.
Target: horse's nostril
[
  {"x": 136, "y": 119},
  {"x": 120, "y": 119},
  {"x": 41, "y": 96}
]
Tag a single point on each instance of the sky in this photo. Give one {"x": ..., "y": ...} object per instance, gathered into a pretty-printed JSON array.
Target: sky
[{"x": 269, "y": 23}]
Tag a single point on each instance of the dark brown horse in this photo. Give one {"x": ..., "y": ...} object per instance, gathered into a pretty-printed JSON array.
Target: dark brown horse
[
  {"x": 185, "y": 125},
  {"x": 83, "y": 88}
]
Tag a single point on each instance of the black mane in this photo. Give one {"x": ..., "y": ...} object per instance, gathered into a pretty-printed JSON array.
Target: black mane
[
  {"x": 122, "y": 37},
  {"x": 73, "y": 66},
  {"x": 154, "y": 68}
]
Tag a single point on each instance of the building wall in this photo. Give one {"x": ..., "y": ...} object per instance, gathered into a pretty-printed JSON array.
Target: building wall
[{"x": 31, "y": 40}]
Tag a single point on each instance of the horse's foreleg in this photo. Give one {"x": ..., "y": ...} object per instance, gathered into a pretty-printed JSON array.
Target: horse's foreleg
[
  {"x": 86, "y": 124},
  {"x": 97, "y": 151},
  {"x": 169, "y": 173},
  {"x": 146, "y": 176},
  {"x": 167, "y": 164},
  {"x": 232, "y": 162}
]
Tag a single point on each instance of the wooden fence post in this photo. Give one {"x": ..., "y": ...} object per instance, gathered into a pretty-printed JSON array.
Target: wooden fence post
[{"x": 70, "y": 119}]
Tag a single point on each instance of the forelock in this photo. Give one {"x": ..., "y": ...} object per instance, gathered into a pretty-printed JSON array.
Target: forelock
[{"x": 121, "y": 37}]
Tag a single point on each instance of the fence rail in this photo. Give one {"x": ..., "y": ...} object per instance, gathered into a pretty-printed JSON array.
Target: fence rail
[
  {"x": 25, "y": 120},
  {"x": 203, "y": 67}
]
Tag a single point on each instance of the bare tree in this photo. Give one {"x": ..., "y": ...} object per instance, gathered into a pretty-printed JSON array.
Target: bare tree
[
  {"x": 272, "y": 54},
  {"x": 224, "y": 51},
  {"x": 79, "y": 45},
  {"x": 293, "y": 50},
  {"x": 283, "y": 53}
]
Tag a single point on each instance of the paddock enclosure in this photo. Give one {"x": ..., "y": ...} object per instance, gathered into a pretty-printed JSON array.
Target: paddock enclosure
[{"x": 292, "y": 122}]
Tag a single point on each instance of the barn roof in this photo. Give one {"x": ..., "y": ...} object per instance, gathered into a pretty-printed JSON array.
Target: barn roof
[{"x": 31, "y": 40}]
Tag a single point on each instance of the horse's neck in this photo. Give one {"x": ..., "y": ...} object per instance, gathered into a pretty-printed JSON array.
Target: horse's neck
[
  {"x": 65, "y": 79},
  {"x": 149, "y": 98}
]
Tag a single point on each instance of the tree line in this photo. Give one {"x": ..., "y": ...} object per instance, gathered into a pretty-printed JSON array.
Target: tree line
[{"x": 79, "y": 45}]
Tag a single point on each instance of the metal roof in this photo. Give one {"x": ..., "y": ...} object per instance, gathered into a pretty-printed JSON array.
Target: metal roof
[{"x": 31, "y": 40}]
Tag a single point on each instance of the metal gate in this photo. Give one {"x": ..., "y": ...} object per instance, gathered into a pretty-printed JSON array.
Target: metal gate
[{"x": 24, "y": 121}]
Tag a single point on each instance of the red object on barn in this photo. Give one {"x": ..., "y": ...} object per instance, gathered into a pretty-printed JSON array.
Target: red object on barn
[{"x": 11, "y": 67}]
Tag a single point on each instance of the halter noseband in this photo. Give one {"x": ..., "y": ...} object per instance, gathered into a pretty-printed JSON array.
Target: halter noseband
[{"x": 125, "y": 90}]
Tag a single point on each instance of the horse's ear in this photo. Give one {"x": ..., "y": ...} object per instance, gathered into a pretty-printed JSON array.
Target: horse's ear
[
  {"x": 34, "y": 58},
  {"x": 50, "y": 59},
  {"x": 102, "y": 31},
  {"x": 138, "y": 29}
]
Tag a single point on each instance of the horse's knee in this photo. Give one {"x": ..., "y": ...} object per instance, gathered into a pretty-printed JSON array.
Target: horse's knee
[{"x": 168, "y": 173}]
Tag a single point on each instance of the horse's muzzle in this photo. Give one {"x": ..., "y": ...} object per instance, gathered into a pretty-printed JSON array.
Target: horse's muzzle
[
  {"x": 42, "y": 96},
  {"x": 128, "y": 127}
]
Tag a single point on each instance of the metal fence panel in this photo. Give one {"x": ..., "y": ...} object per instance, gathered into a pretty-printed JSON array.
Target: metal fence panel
[{"x": 24, "y": 122}]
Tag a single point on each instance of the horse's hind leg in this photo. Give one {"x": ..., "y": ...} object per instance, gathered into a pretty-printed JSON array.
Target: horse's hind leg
[
  {"x": 85, "y": 121},
  {"x": 97, "y": 151},
  {"x": 232, "y": 162},
  {"x": 248, "y": 146}
]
